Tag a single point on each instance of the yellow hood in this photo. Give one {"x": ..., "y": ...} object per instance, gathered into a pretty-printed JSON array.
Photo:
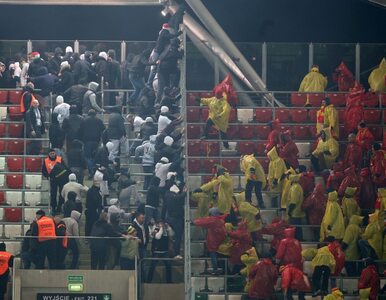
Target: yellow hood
[
  {"x": 382, "y": 65},
  {"x": 333, "y": 196},
  {"x": 314, "y": 69},
  {"x": 337, "y": 293},
  {"x": 272, "y": 154},
  {"x": 350, "y": 191},
  {"x": 228, "y": 226},
  {"x": 295, "y": 178},
  {"x": 357, "y": 220},
  {"x": 374, "y": 217}
]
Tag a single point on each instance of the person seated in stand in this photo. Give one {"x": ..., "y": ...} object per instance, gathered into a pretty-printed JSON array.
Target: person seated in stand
[{"x": 326, "y": 152}]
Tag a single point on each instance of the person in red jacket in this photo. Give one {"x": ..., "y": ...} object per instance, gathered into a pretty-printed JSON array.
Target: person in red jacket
[
  {"x": 241, "y": 241},
  {"x": 369, "y": 278},
  {"x": 263, "y": 277},
  {"x": 353, "y": 154},
  {"x": 294, "y": 279},
  {"x": 315, "y": 206},
  {"x": 289, "y": 151},
  {"x": 351, "y": 180},
  {"x": 354, "y": 112},
  {"x": 344, "y": 77},
  {"x": 274, "y": 135},
  {"x": 276, "y": 228},
  {"x": 368, "y": 193},
  {"x": 216, "y": 233},
  {"x": 307, "y": 180},
  {"x": 378, "y": 166},
  {"x": 340, "y": 258},
  {"x": 290, "y": 250},
  {"x": 336, "y": 176},
  {"x": 364, "y": 137}
]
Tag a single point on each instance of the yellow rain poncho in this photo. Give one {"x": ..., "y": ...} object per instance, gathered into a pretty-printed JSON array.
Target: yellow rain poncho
[
  {"x": 331, "y": 120},
  {"x": 351, "y": 237},
  {"x": 219, "y": 110},
  {"x": 364, "y": 294},
  {"x": 204, "y": 201},
  {"x": 331, "y": 145},
  {"x": 248, "y": 162},
  {"x": 276, "y": 169},
  {"x": 286, "y": 188},
  {"x": 373, "y": 234},
  {"x": 296, "y": 197},
  {"x": 223, "y": 186},
  {"x": 248, "y": 213},
  {"x": 313, "y": 81},
  {"x": 249, "y": 259},
  {"x": 336, "y": 294},
  {"x": 350, "y": 206},
  {"x": 377, "y": 78},
  {"x": 309, "y": 253},
  {"x": 226, "y": 246},
  {"x": 333, "y": 221},
  {"x": 324, "y": 258}
]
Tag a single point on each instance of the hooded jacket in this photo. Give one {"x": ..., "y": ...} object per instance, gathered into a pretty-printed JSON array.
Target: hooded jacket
[
  {"x": 248, "y": 213},
  {"x": 333, "y": 222},
  {"x": 219, "y": 111},
  {"x": 351, "y": 237},
  {"x": 72, "y": 223},
  {"x": 241, "y": 241},
  {"x": 295, "y": 198},
  {"x": 307, "y": 182},
  {"x": 276, "y": 169},
  {"x": 216, "y": 232},
  {"x": 339, "y": 256},
  {"x": 369, "y": 279},
  {"x": 286, "y": 188},
  {"x": 350, "y": 205},
  {"x": 373, "y": 234},
  {"x": 252, "y": 169},
  {"x": 354, "y": 112},
  {"x": 313, "y": 82},
  {"x": 289, "y": 152},
  {"x": 320, "y": 119},
  {"x": 331, "y": 120},
  {"x": 263, "y": 277},
  {"x": 274, "y": 135},
  {"x": 335, "y": 178},
  {"x": 294, "y": 278},
  {"x": 315, "y": 205},
  {"x": 351, "y": 180},
  {"x": 344, "y": 77},
  {"x": 290, "y": 250},
  {"x": 116, "y": 126},
  {"x": 365, "y": 139},
  {"x": 90, "y": 99},
  {"x": 331, "y": 145},
  {"x": 353, "y": 155},
  {"x": 378, "y": 167},
  {"x": 147, "y": 151},
  {"x": 368, "y": 194},
  {"x": 377, "y": 78},
  {"x": 324, "y": 257},
  {"x": 249, "y": 259},
  {"x": 276, "y": 228}
]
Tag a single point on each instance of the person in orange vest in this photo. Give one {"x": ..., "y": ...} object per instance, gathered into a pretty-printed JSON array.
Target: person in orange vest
[
  {"x": 61, "y": 242},
  {"x": 27, "y": 97},
  {"x": 43, "y": 245},
  {"x": 56, "y": 171},
  {"x": 6, "y": 262}
]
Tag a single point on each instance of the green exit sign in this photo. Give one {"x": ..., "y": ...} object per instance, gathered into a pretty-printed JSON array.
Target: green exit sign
[{"x": 75, "y": 278}]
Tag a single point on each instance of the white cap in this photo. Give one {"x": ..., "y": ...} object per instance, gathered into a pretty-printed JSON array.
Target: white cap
[
  {"x": 103, "y": 54},
  {"x": 149, "y": 120},
  {"x": 59, "y": 100},
  {"x": 109, "y": 146},
  {"x": 72, "y": 177},
  {"x": 69, "y": 49},
  {"x": 113, "y": 201},
  {"x": 64, "y": 63},
  {"x": 168, "y": 140},
  {"x": 164, "y": 109},
  {"x": 164, "y": 159},
  {"x": 81, "y": 57},
  {"x": 174, "y": 189}
]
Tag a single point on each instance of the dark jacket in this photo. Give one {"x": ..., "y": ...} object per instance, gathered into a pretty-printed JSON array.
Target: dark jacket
[
  {"x": 81, "y": 71},
  {"x": 74, "y": 95},
  {"x": 102, "y": 229},
  {"x": 163, "y": 40},
  {"x": 68, "y": 207},
  {"x": 115, "y": 74},
  {"x": 175, "y": 204},
  {"x": 44, "y": 81},
  {"x": 153, "y": 192},
  {"x": 56, "y": 133},
  {"x": 148, "y": 129},
  {"x": 140, "y": 234},
  {"x": 75, "y": 156},
  {"x": 66, "y": 80},
  {"x": 102, "y": 69},
  {"x": 71, "y": 127},
  {"x": 116, "y": 127},
  {"x": 102, "y": 156},
  {"x": 34, "y": 66},
  {"x": 91, "y": 129},
  {"x": 169, "y": 57},
  {"x": 53, "y": 65},
  {"x": 94, "y": 200},
  {"x": 31, "y": 123},
  {"x": 139, "y": 63}
]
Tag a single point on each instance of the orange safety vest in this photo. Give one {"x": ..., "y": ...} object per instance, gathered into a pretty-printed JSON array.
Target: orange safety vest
[
  {"x": 65, "y": 238},
  {"x": 22, "y": 107},
  {"x": 4, "y": 259},
  {"x": 46, "y": 229},
  {"x": 51, "y": 163}
]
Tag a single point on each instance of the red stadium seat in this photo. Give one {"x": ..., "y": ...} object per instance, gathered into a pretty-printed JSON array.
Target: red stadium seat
[
  {"x": 232, "y": 164},
  {"x": 204, "y": 114},
  {"x": 3, "y": 130},
  {"x": 194, "y": 131},
  {"x": 15, "y": 164},
  {"x": 233, "y": 132},
  {"x": 299, "y": 115},
  {"x": 262, "y": 132},
  {"x": 194, "y": 148},
  {"x": 2, "y": 198},
  {"x": 312, "y": 114},
  {"x": 315, "y": 99},
  {"x": 246, "y": 148},
  {"x": 191, "y": 99},
  {"x": 233, "y": 116},
  {"x": 193, "y": 114},
  {"x": 14, "y": 113},
  {"x": 301, "y": 132},
  {"x": 263, "y": 115},
  {"x": 12, "y": 214},
  {"x": 14, "y": 97},
  {"x": 208, "y": 163},
  {"x": 265, "y": 164},
  {"x": 2, "y": 147},
  {"x": 377, "y": 132},
  {"x": 206, "y": 95},
  {"x": 33, "y": 164},
  {"x": 337, "y": 99},
  {"x": 16, "y": 130},
  {"x": 15, "y": 181},
  {"x": 371, "y": 100},
  {"x": 3, "y": 97},
  {"x": 206, "y": 179},
  {"x": 284, "y": 128},
  {"x": 372, "y": 116},
  {"x": 246, "y": 132},
  {"x": 210, "y": 148},
  {"x": 298, "y": 99},
  {"x": 194, "y": 165},
  {"x": 15, "y": 147},
  {"x": 283, "y": 114},
  {"x": 260, "y": 148},
  {"x": 341, "y": 116}
]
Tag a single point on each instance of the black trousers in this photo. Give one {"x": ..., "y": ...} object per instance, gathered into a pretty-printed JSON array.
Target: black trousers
[
  {"x": 249, "y": 188},
  {"x": 45, "y": 249},
  {"x": 320, "y": 278},
  {"x": 98, "y": 258},
  {"x": 73, "y": 246},
  {"x": 301, "y": 295},
  {"x": 153, "y": 264},
  {"x": 55, "y": 187}
]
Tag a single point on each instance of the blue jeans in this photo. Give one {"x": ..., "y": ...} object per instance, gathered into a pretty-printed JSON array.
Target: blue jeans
[
  {"x": 138, "y": 83},
  {"x": 213, "y": 258}
]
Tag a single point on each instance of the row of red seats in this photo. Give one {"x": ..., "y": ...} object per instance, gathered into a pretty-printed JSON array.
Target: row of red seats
[
  {"x": 14, "y": 113},
  {"x": 285, "y": 115},
  {"x": 13, "y": 130},
  {"x": 14, "y": 181},
  {"x": 16, "y": 164},
  {"x": 12, "y": 147},
  {"x": 11, "y": 96},
  {"x": 261, "y": 132}
]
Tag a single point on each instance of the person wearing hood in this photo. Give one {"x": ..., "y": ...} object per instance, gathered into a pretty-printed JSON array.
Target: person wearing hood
[
  {"x": 45, "y": 83},
  {"x": 350, "y": 205},
  {"x": 331, "y": 119},
  {"x": 333, "y": 221},
  {"x": 221, "y": 189},
  {"x": 368, "y": 193},
  {"x": 294, "y": 208},
  {"x": 53, "y": 64},
  {"x": 313, "y": 82},
  {"x": 219, "y": 112},
  {"x": 102, "y": 69},
  {"x": 326, "y": 152},
  {"x": 71, "y": 126},
  {"x": 376, "y": 78},
  {"x": 35, "y": 64},
  {"x": 168, "y": 149},
  {"x": 276, "y": 171},
  {"x": 336, "y": 294},
  {"x": 62, "y": 109},
  {"x": 377, "y": 166},
  {"x": 369, "y": 279},
  {"x": 323, "y": 264},
  {"x": 129, "y": 249},
  {"x": 69, "y": 52},
  {"x": 102, "y": 155},
  {"x": 274, "y": 135},
  {"x": 81, "y": 70},
  {"x": 371, "y": 243},
  {"x": 289, "y": 151},
  {"x": 116, "y": 133},
  {"x": 354, "y": 110},
  {"x": 27, "y": 97},
  {"x": 254, "y": 177},
  {"x": 72, "y": 231},
  {"x": 216, "y": 234},
  {"x": 336, "y": 250},
  {"x": 336, "y": 176},
  {"x": 74, "y": 96},
  {"x": 90, "y": 99},
  {"x": 293, "y": 279},
  {"x": 353, "y": 154},
  {"x": 66, "y": 78},
  {"x": 241, "y": 241},
  {"x": 76, "y": 160},
  {"x": 290, "y": 250},
  {"x": 35, "y": 128},
  {"x": 307, "y": 180},
  {"x": 277, "y": 230},
  {"x": 344, "y": 77},
  {"x": 351, "y": 180},
  {"x": 94, "y": 206},
  {"x": 249, "y": 259},
  {"x": 350, "y": 244},
  {"x": 73, "y": 186},
  {"x": 174, "y": 204},
  {"x": 365, "y": 138},
  {"x": 114, "y": 76},
  {"x": 56, "y": 134},
  {"x": 263, "y": 277},
  {"x": 148, "y": 128},
  {"x": 146, "y": 152},
  {"x": 69, "y": 204},
  {"x": 114, "y": 209}
]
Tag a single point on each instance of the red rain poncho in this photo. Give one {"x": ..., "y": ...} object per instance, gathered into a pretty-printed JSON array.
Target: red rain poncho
[
  {"x": 216, "y": 232},
  {"x": 343, "y": 77},
  {"x": 352, "y": 156},
  {"x": 289, "y": 151},
  {"x": 378, "y": 168},
  {"x": 315, "y": 205},
  {"x": 370, "y": 279},
  {"x": 274, "y": 135},
  {"x": 340, "y": 258},
  {"x": 351, "y": 180},
  {"x": 226, "y": 86},
  {"x": 368, "y": 193},
  {"x": 263, "y": 276},
  {"x": 290, "y": 250},
  {"x": 241, "y": 241},
  {"x": 295, "y": 279},
  {"x": 354, "y": 112}
]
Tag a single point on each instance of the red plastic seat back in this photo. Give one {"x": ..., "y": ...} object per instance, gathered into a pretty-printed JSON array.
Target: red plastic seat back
[
  {"x": 15, "y": 147},
  {"x": 194, "y": 131},
  {"x": 14, "y": 97},
  {"x": 16, "y": 130},
  {"x": 263, "y": 115},
  {"x": 246, "y": 132},
  {"x": 301, "y": 132},
  {"x": 298, "y": 99},
  {"x": 193, "y": 114},
  {"x": 15, "y": 164},
  {"x": 208, "y": 164},
  {"x": 315, "y": 99},
  {"x": 283, "y": 114},
  {"x": 14, "y": 181},
  {"x": 246, "y": 148},
  {"x": 3, "y": 97},
  {"x": 194, "y": 165},
  {"x": 12, "y": 214},
  {"x": 3, "y": 129},
  {"x": 299, "y": 115},
  {"x": 210, "y": 148},
  {"x": 262, "y": 132},
  {"x": 372, "y": 116},
  {"x": 33, "y": 164},
  {"x": 337, "y": 99},
  {"x": 14, "y": 113},
  {"x": 232, "y": 164},
  {"x": 2, "y": 198},
  {"x": 194, "y": 148}
]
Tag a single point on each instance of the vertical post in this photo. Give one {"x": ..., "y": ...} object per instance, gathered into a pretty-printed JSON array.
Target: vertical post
[
  {"x": 123, "y": 51},
  {"x": 357, "y": 62},
  {"x": 76, "y": 46},
  {"x": 310, "y": 55},
  {"x": 264, "y": 62},
  {"x": 29, "y": 47}
]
